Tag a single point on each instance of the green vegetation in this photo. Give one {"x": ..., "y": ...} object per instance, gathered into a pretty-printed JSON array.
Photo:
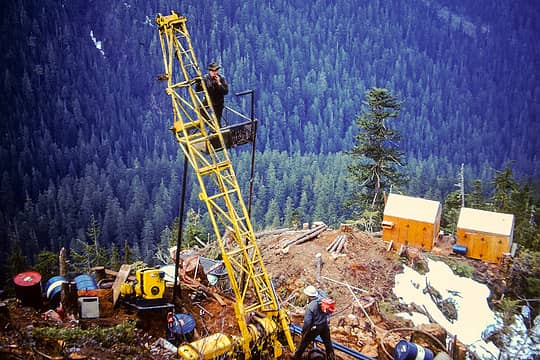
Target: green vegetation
[
  {"x": 524, "y": 281},
  {"x": 463, "y": 269},
  {"x": 84, "y": 130},
  {"x": 47, "y": 264},
  {"x": 507, "y": 196},
  {"x": 389, "y": 309},
  {"x": 508, "y": 308},
  {"x": 104, "y": 336},
  {"x": 86, "y": 254}
]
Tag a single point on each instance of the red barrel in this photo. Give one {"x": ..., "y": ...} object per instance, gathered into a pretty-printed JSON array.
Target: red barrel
[{"x": 28, "y": 288}]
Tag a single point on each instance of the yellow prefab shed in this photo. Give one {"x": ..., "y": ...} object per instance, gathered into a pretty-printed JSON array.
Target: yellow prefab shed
[
  {"x": 485, "y": 235},
  {"x": 411, "y": 221}
]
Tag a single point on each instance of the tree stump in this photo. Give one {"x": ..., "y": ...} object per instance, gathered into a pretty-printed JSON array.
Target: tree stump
[
  {"x": 99, "y": 273},
  {"x": 369, "y": 304}
]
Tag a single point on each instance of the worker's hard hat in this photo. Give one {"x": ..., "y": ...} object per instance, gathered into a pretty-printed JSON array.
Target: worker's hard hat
[
  {"x": 213, "y": 67},
  {"x": 310, "y": 291}
]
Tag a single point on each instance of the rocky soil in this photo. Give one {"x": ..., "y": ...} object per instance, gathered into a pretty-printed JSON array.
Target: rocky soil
[{"x": 359, "y": 277}]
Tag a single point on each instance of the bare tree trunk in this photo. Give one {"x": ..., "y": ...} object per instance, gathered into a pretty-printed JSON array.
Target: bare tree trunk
[{"x": 62, "y": 262}]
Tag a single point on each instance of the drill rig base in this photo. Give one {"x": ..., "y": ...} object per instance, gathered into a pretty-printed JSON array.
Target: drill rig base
[{"x": 153, "y": 304}]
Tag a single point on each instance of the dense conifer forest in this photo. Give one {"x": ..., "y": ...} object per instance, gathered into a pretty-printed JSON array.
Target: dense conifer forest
[{"x": 84, "y": 121}]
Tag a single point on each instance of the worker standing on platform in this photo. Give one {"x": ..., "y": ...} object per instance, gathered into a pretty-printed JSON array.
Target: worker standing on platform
[
  {"x": 217, "y": 88},
  {"x": 315, "y": 324}
]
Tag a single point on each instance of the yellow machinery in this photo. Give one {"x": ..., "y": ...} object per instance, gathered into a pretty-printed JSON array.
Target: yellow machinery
[
  {"x": 196, "y": 129},
  {"x": 149, "y": 285}
]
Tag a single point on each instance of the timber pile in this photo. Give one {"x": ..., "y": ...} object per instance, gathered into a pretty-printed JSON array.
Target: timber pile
[
  {"x": 270, "y": 232},
  {"x": 310, "y": 235},
  {"x": 337, "y": 245}
]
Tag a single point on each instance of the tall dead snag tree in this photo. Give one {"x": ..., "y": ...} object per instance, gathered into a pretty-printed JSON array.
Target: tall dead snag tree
[{"x": 377, "y": 162}]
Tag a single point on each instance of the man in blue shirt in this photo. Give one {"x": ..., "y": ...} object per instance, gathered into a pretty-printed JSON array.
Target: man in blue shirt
[{"x": 315, "y": 324}]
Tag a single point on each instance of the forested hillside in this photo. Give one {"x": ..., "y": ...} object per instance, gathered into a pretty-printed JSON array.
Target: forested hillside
[{"x": 84, "y": 121}]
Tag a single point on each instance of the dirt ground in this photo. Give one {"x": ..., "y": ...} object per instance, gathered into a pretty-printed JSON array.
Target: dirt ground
[{"x": 362, "y": 272}]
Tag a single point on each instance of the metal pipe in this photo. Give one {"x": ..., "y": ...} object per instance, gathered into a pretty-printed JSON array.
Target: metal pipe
[
  {"x": 295, "y": 329},
  {"x": 254, "y": 139},
  {"x": 180, "y": 229}
]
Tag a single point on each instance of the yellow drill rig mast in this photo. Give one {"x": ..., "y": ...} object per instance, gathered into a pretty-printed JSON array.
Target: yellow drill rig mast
[{"x": 196, "y": 129}]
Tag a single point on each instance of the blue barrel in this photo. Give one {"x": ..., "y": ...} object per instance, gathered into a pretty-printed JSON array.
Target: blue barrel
[
  {"x": 405, "y": 350},
  {"x": 53, "y": 287},
  {"x": 182, "y": 324},
  {"x": 180, "y": 328},
  {"x": 459, "y": 249},
  {"x": 85, "y": 282}
]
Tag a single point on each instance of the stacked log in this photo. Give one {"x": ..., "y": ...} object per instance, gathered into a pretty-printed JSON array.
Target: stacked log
[
  {"x": 338, "y": 244},
  {"x": 310, "y": 235},
  {"x": 271, "y": 232}
]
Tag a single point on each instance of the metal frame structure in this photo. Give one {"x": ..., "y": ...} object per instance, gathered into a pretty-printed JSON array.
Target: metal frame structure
[{"x": 196, "y": 129}]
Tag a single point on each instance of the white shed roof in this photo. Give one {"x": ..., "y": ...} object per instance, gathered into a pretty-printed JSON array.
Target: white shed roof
[
  {"x": 486, "y": 221},
  {"x": 412, "y": 208}
]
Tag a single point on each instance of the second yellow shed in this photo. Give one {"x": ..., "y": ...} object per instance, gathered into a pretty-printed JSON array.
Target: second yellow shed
[{"x": 485, "y": 235}]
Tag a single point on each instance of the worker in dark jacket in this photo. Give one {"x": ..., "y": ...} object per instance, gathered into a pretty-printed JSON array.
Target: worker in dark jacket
[
  {"x": 217, "y": 88},
  {"x": 315, "y": 323}
]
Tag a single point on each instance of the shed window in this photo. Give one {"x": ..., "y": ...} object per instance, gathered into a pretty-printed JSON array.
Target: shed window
[{"x": 387, "y": 224}]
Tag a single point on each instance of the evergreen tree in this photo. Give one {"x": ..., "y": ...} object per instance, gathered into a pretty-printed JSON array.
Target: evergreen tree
[
  {"x": 16, "y": 261},
  {"x": 450, "y": 211},
  {"x": 476, "y": 198},
  {"x": 115, "y": 258},
  {"x": 504, "y": 185},
  {"x": 128, "y": 254},
  {"x": 80, "y": 257},
  {"x": 296, "y": 221},
  {"x": 87, "y": 254},
  {"x": 288, "y": 212},
  {"x": 303, "y": 209},
  {"x": 526, "y": 230},
  {"x": 272, "y": 218},
  {"x": 193, "y": 227},
  {"x": 47, "y": 264},
  {"x": 377, "y": 162},
  {"x": 93, "y": 231}
]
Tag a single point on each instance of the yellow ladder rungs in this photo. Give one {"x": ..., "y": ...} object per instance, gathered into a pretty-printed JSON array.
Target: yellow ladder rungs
[
  {"x": 238, "y": 251},
  {"x": 221, "y": 194},
  {"x": 214, "y": 168}
]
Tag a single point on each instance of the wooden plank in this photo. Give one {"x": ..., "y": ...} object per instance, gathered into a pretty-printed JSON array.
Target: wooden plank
[
  {"x": 194, "y": 284},
  {"x": 218, "y": 298},
  {"x": 312, "y": 234},
  {"x": 115, "y": 274},
  {"x": 120, "y": 279}
]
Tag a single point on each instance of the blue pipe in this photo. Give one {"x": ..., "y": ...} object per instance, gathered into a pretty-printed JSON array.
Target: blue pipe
[{"x": 295, "y": 329}]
